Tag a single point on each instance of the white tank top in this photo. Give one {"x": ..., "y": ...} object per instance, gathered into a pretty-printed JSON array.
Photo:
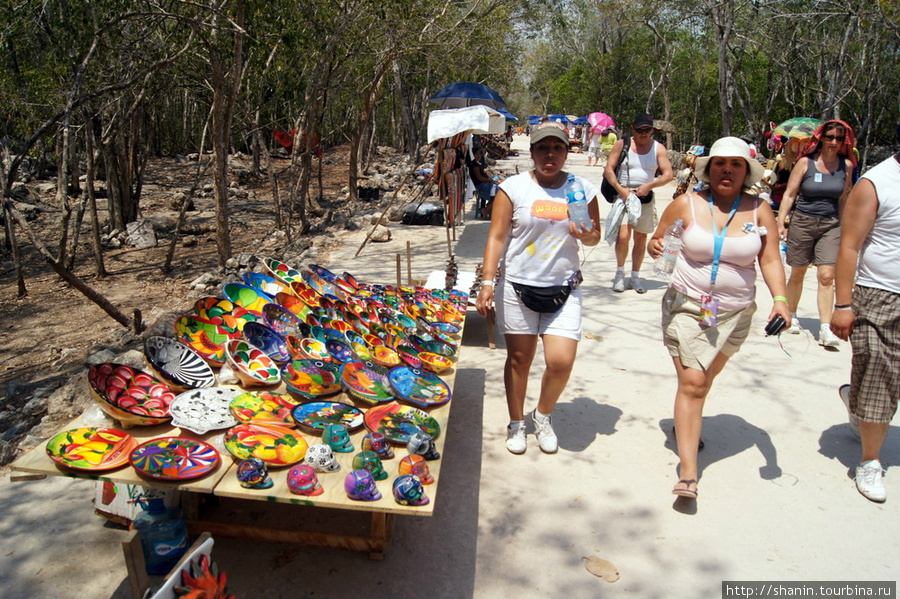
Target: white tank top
[
  {"x": 638, "y": 168},
  {"x": 879, "y": 260}
]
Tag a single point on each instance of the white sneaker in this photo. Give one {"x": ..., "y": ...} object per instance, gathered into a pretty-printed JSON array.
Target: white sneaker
[
  {"x": 635, "y": 283},
  {"x": 795, "y": 328},
  {"x": 515, "y": 439},
  {"x": 827, "y": 338},
  {"x": 543, "y": 430},
  {"x": 852, "y": 419},
  {"x": 619, "y": 283},
  {"x": 868, "y": 481}
]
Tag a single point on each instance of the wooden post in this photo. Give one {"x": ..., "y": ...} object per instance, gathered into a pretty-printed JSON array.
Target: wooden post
[
  {"x": 409, "y": 279},
  {"x": 399, "y": 272}
]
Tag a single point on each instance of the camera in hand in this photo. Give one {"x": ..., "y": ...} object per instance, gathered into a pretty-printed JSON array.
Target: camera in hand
[{"x": 775, "y": 325}]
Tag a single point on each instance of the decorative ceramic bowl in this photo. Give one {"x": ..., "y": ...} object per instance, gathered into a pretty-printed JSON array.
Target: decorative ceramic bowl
[
  {"x": 435, "y": 362},
  {"x": 247, "y": 297},
  {"x": 274, "y": 445},
  {"x": 264, "y": 407},
  {"x": 92, "y": 449},
  {"x": 437, "y": 347},
  {"x": 308, "y": 348},
  {"x": 385, "y": 356},
  {"x": 340, "y": 352},
  {"x": 268, "y": 285},
  {"x": 423, "y": 389},
  {"x": 282, "y": 271},
  {"x": 205, "y": 337},
  {"x": 323, "y": 273},
  {"x": 274, "y": 345},
  {"x": 131, "y": 396},
  {"x": 251, "y": 364},
  {"x": 366, "y": 382},
  {"x": 398, "y": 422},
  {"x": 409, "y": 355},
  {"x": 177, "y": 365},
  {"x": 315, "y": 416},
  {"x": 311, "y": 379},
  {"x": 281, "y": 320},
  {"x": 204, "y": 410},
  {"x": 224, "y": 313},
  {"x": 373, "y": 340},
  {"x": 446, "y": 327},
  {"x": 293, "y": 304},
  {"x": 306, "y": 294}
]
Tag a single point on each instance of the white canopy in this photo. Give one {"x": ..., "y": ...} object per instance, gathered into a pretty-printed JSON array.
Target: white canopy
[{"x": 476, "y": 119}]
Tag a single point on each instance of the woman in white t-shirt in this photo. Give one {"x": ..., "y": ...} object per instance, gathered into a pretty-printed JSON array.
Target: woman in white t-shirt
[{"x": 531, "y": 231}]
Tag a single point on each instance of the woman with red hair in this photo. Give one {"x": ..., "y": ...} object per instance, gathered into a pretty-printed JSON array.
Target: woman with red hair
[{"x": 820, "y": 181}]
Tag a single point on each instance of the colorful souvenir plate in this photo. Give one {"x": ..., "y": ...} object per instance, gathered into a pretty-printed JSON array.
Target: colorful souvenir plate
[
  {"x": 424, "y": 389},
  {"x": 265, "y": 338},
  {"x": 385, "y": 356},
  {"x": 176, "y": 364},
  {"x": 293, "y": 304},
  {"x": 312, "y": 379},
  {"x": 409, "y": 355},
  {"x": 323, "y": 273},
  {"x": 275, "y": 445},
  {"x": 437, "y": 347},
  {"x": 281, "y": 320},
  {"x": 205, "y": 337},
  {"x": 268, "y": 285},
  {"x": 263, "y": 407},
  {"x": 247, "y": 297},
  {"x": 174, "y": 458},
  {"x": 316, "y": 415},
  {"x": 366, "y": 382},
  {"x": 446, "y": 327},
  {"x": 224, "y": 313},
  {"x": 308, "y": 348},
  {"x": 398, "y": 422},
  {"x": 434, "y": 362},
  {"x": 282, "y": 271},
  {"x": 131, "y": 396},
  {"x": 93, "y": 448},
  {"x": 251, "y": 364},
  {"x": 204, "y": 410}
]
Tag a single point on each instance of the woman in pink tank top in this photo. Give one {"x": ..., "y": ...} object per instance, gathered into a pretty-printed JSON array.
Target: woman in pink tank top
[{"x": 708, "y": 308}]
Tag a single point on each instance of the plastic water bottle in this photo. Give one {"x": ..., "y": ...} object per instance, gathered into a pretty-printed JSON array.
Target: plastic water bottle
[
  {"x": 665, "y": 264},
  {"x": 164, "y": 537},
  {"x": 577, "y": 203},
  {"x": 782, "y": 246}
]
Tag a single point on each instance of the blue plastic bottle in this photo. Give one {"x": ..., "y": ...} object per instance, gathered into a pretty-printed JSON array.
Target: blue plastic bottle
[
  {"x": 164, "y": 537},
  {"x": 576, "y": 202}
]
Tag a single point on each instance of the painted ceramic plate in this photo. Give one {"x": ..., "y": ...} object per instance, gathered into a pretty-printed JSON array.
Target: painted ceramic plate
[
  {"x": 268, "y": 285},
  {"x": 312, "y": 379},
  {"x": 323, "y": 272},
  {"x": 308, "y": 348},
  {"x": 263, "y": 407},
  {"x": 434, "y": 362},
  {"x": 398, "y": 422},
  {"x": 251, "y": 364},
  {"x": 385, "y": 356},
  {"x": 265, "y": 338},
  {"x": 281, "y": 320},
  {"x": 282, "y": 271},
  {"x": 177, "y": 365},
  {"x": 249, "y": 298},
  {"x": 366, "y": 382},
  {"x": 316, "y": 415},
  {"x": 424, "y": 389},
  {"x": 174, "y": 458},
  {"x": 131, "y": 396},
  {"x": 340, "y": 352},
  {"x": 92, "y": 448},
  {"x": 204, "y": 410},
  {"x": 275, "y": 445}
]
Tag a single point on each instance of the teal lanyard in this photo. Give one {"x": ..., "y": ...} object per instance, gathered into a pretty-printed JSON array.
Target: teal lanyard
[{"x": 719, "y": 236}]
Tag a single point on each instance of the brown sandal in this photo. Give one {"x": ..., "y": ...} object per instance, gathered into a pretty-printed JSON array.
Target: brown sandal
[{"x": 686, "y": 491}]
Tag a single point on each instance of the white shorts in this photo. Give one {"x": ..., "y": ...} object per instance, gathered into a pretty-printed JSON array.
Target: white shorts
[{"x": 513, "y": 318}]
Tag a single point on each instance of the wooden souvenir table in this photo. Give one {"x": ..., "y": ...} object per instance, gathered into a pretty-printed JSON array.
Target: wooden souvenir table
[{"x": 223, "y": 483}]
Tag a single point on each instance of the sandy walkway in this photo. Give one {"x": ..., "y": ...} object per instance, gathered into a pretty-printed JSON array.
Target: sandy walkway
[{"x": 776, "y": 500}]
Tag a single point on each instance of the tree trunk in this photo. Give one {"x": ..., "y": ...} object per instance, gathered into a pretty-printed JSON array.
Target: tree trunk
[
  {"x": 92, "y": 198},
  {"x": 722, "y": 12},
  {"x": 364, "y": 117}
]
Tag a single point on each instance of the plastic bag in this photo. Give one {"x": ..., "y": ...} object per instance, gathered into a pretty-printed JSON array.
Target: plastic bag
[
  {"x": 614, "y": 220},
  {"x": 633, "y": 209}
]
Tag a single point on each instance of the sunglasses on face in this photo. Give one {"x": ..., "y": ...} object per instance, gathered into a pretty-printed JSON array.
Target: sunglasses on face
[
  {"x": 837, "y": 138},
  {"x": 644, "y": 130}
]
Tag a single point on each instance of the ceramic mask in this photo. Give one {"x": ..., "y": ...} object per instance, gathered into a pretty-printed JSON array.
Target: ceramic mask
[
  {"x": 253, "y": 474},
  {"x": 422, "y": 444},
  {"x": 416, "y": 464},
  {"x": 408, "y": 490},
  {"x": 337, "y": 437},
  {"x": 369, "y": 460},
  {"x": 321, "y": 458},
  {"x": 360, "y": 485},
  {"x": 302, "y": 480},
  {"x": 378, "y": 443}
]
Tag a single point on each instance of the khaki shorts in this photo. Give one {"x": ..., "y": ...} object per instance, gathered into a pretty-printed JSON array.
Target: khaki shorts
[
  {"x": 812, "y": 240},
  {"x": 874, "y": 377},
  {"x": 648, "y": 221},
  {"x": 695, "y": 344}
]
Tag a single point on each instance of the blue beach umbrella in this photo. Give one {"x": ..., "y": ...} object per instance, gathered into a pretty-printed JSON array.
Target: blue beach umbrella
[{"x": 466, "y": 93}]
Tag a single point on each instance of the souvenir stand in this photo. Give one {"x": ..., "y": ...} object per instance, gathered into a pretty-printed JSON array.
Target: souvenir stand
[
  {"x": 451, "y": 128},
  {"x": 369, "y": 358}
]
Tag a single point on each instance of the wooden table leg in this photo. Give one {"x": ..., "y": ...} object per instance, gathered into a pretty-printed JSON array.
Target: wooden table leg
[{"x": 382, "y": 531}]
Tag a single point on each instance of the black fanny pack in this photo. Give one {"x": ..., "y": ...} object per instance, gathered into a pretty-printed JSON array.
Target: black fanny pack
[{"x": 547, "y": 299}]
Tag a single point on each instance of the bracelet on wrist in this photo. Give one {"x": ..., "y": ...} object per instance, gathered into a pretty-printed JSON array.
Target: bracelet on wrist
[
  {"x": 487, "y": 283},
  {"x": 843, "y": 307},
  {"x": 779, "y": 298}
]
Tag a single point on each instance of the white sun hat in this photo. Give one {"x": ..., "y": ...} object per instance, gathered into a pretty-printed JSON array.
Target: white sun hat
[{"x": 730, "y": 147}]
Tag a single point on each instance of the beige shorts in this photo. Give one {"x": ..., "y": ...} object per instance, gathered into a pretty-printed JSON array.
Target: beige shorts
[
  {"x": 695, "y": 344},
  {"x": 647, "y": 222}
]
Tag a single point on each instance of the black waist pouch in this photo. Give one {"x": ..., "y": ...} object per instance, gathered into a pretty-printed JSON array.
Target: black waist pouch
[{"x": 546, "y": 299}]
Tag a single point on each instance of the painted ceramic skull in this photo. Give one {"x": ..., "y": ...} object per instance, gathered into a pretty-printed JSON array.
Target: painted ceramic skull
[
  {"x": 408, "y": 490},
  {"x": 253, "y": 474},
  {"x": 369, "y": 460},
  {"x": 337, "y": 437},
  {"x": 415, "y": 464},
  {"x": 320, "y": 457},
  {"x": 302, "y": 480},
  {"x": 378, "y": 443},
  {"x": 360, "y": 485},
  {"x": 422, "y": 444}
]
